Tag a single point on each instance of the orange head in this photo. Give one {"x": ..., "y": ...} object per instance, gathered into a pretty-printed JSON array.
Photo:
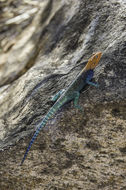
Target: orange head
[{"x": 93, "y": 61}]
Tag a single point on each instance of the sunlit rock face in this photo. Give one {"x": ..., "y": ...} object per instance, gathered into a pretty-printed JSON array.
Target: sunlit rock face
[{"x": 43, "y": 46}]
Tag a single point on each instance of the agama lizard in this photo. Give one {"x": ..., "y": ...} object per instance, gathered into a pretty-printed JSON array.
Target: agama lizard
[{"x": 71, "y": 93}]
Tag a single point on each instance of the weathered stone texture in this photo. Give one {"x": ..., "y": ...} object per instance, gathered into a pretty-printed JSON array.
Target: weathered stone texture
[{"x": 75, "y": 150}]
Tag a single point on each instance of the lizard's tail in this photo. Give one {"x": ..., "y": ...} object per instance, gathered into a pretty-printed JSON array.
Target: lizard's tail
[{"x": 42, "y": 124}]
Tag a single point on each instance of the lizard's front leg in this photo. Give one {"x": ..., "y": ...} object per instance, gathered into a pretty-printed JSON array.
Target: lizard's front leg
[
  {"x": 89, "y": 77},
  {"x": 92, "y": 83}
]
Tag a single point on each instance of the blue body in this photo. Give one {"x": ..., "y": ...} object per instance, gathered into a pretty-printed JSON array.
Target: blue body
[{"x": 71, "y": 93}]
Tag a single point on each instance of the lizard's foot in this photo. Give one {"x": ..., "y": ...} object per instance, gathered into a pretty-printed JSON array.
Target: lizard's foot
[
  {"x": 79, "y": 108},
  {"x": 93, "y": 84}
]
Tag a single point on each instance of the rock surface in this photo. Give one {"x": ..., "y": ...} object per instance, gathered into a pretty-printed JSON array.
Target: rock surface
[{"x": 76, "y": 150}]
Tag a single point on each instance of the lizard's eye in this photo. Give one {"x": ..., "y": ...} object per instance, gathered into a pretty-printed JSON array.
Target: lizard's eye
[{"x": 96, "y": 56}]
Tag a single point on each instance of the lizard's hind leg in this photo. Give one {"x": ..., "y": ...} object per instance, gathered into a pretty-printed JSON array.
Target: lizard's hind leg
[
  {"x": 57, "y": 95},
  {"x": 76, "y": 100}
]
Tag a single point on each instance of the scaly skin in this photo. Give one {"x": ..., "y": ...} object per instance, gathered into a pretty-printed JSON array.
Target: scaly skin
[{"x": 71, "y": 93}]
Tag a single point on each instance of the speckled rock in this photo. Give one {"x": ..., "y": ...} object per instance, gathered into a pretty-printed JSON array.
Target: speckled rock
[{"x": 76, "y": 150}]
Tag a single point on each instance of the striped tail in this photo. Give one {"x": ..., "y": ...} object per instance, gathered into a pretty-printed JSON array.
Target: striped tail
[{"x": 51, "y": 112}]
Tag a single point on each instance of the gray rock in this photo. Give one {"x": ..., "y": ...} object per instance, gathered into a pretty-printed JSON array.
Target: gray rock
[{"x": 75, "y": 150}]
